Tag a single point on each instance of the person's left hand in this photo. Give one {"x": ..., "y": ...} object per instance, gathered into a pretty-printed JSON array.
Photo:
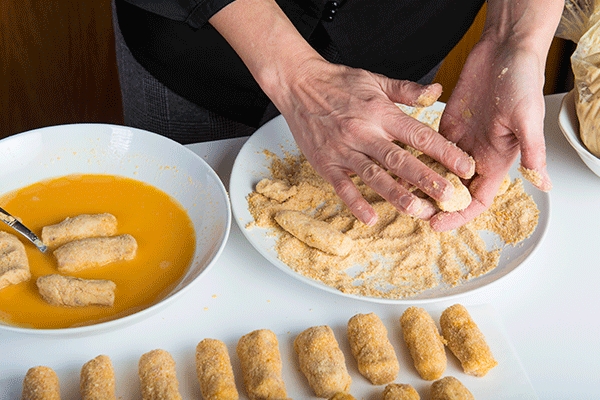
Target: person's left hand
[{"x": 495, "y": 112}]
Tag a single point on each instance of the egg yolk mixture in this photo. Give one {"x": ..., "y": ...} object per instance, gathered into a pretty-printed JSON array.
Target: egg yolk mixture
[{"x": 163, "y": 230}]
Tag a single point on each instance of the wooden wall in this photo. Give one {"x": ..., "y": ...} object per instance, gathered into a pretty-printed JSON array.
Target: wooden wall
[{"x": 57, "y": 64}]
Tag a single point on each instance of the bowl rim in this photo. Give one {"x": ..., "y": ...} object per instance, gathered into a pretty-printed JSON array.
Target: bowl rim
[
  {"x": 124, "y": 321},
  {"x": 567, "y": 117}
]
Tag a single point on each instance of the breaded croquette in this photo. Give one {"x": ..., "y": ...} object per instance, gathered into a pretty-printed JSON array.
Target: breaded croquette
[
  {"x": 342, "y": 396},
  {"x": 40, "y": 383},
  {"x": 465, "y": 341},
  {"x": 400, "y": 391},
  {"x": 424, "y": 342},
  {"x": 258, "y": 352},
  {"x": 314, "y": 233},
  {"x": 94, "y": 252},
  {"x": 374, "y": 354},
  {"x": 322, "y": 361},
  {"x": 158, "y": 379},
  {"x": 60, "y": 290},
  {"x": 79, "y": 227},
  {"x": 14, "y": 265},
  {"x": 214, "y": 371},
  {"x": 276, "y": 189},
  {"x": 97, "y": 379},
  {"x": 450, "y": 388}
]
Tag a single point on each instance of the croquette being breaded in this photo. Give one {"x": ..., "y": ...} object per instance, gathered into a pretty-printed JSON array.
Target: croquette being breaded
[
  {"x": 258, "y": 352},
  {"x": 14, "y": 265},
  {"x": 461, "y": 197},
  {"x": 158, "y": 379},
  {"x": 40, "y": 383},
  {"x": 60, "y": 290},
  {"x": 214, "y": 371},
  {"x": 466, "y": 341},
  {"x": 370, "y": 346},
  {"x": 424, "y": 343},
  {"x": 322, "y": 361},
  {"x": 97, "y": 379},
  {"x": 79, "y": 227},
  {"x": 95, "y": 252}
]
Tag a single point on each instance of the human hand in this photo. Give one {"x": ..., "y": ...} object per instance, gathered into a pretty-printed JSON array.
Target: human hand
[
  {"x": 496, "y": 112},
  {"x": 343, "y": 119},
  {"x": 345, "y": 122}
]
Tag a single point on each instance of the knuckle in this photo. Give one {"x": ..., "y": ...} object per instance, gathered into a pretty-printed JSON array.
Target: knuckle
[
  {"x": 345, "y": 189},
  {"x": 395, "y": 158},
  {"x": 351, "y": 126},
  {"x": 371, "y": 173},
  {"x": 420, "y": 137}
]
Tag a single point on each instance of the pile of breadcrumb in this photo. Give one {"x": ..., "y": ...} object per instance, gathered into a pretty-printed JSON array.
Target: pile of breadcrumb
[{"x": 400, "y": 256}]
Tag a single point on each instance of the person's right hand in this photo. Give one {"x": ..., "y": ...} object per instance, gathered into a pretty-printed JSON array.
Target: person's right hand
[
  {"x": 343, "y": 119},
  {"x": 345, "y": 122}
]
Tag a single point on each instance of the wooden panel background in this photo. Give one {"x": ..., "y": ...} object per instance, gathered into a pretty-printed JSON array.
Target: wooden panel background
[{"x": 57, "y": 64}]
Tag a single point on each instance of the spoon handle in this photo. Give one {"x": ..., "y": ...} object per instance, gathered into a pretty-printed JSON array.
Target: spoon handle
[{"x": 22, "y": 229}]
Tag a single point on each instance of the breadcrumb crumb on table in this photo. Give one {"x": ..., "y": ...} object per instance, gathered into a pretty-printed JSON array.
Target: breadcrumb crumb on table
[
  {"x": 14, "y": 265},
  {"x": 40, "y": 383},
  {"x": 158, "y": 379},
  {"x": 97, "y": 379}
]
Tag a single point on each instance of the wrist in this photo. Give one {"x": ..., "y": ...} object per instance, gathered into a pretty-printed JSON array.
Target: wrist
[
  {"x": 527, "y": 25},
  {"x": 267, "y": 42}
]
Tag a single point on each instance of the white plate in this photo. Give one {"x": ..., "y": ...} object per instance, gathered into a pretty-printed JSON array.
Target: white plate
[
  {"x": 251, "y": 165},
  {"x": 56, "y": 151}
]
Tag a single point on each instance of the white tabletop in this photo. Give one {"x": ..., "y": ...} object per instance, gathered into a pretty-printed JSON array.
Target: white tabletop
[{"x": 546, "y": 314}]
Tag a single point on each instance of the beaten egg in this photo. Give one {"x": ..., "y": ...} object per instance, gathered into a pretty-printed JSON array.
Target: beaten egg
[{"x": 162, "y": 228}]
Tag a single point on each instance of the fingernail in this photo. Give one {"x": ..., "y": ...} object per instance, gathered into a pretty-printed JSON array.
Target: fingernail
[
  {"x": 366, "y": 216},
  {"x": 416, "y": 207},
  {"x": 465, "y": 167}
]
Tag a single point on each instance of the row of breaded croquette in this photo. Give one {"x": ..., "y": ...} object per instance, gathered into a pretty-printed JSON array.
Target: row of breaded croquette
[{"x": 320, "y": 360}]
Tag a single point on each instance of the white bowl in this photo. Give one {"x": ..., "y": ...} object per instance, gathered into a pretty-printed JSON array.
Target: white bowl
[
  {"x": 569, "y": 125},
  {"x": 56, "y": 151}
]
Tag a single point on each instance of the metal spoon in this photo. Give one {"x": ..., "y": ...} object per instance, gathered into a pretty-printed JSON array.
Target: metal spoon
[{"x": 22, "y": 229}]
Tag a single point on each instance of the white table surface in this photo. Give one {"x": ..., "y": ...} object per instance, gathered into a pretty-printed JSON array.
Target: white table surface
[{"x": 548, "y": 310}]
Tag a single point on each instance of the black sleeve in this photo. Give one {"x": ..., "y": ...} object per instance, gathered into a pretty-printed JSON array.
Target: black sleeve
[{"x": 193, "y": 12}]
